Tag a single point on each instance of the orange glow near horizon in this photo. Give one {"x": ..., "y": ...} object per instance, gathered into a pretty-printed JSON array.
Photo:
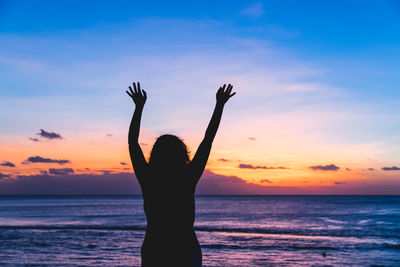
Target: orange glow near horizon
[{"x": 275, "y": 166}]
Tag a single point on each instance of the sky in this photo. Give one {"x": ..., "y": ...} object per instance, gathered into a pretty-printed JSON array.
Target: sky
[{"x": 317, "y": 108}]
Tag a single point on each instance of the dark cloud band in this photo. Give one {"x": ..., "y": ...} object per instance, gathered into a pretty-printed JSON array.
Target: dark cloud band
[
  {"x": 38, "y": 159},
  {"x": 393, "y": 168},
  {"x": 62, "y": 171},
  {"x": 330, "y": 167},
  {"x": 249, "y": 166},
  {"x": 7, "y": 164},
  {"x": 49, "y": 135},
  {"x": 3, "y": 175}
]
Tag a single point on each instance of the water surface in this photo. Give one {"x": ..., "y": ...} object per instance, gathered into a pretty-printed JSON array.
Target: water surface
[{"x": 232, "y": 230}]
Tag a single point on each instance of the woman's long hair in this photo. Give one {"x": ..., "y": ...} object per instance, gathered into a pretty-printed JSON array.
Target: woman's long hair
[{"x": 169, "y": 151}]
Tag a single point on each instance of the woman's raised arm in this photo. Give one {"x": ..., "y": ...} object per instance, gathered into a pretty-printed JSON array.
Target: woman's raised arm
[
  {"x": 138, "y": 161},
  {"x": 199, "y": 161}
]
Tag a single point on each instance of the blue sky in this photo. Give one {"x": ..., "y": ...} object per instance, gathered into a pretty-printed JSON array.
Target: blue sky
[
  {"x": 316, "y": 80},
  {"x": 356, "y": 41}
]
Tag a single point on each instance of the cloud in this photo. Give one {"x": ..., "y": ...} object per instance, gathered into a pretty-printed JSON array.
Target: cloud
[
  {"x": 49, "y": 135},
  {"x": 3, "y": 175},
  {"x": 7, "y": 164},
  {"x": 371, "y": 169},
  {"x": 72, "y": 184},
  {"x": 339, "y": 183},
  {"x": 249, "y": 166},
  {"x": 331, "y": 167},
  {"x": 215, "y": 184},
  {"x": 62, "y": 171},
  {"x": 266, "y": 181},
  {"x": 34, "y": 139},
  {"x": 38, "y": 159},
  {"x": 143, "y": 144},
  {"x": 123, "y": 163},
  {"x": 109, "y": 135},
  {"x": 125, "y": 183},
  {"x": 348, "y": 169},
  {"x": 223, "y": 160},
  {"x": 100, "y": 172},
  {"x": 393, "y": 168},
  {"x": 254, "y": 10},
  {"x": 252, "y": 138}
]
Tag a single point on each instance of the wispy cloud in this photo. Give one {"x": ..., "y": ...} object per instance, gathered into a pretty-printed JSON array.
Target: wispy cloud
[
  {"x": 253, "y": 10},
  {"x": 34, "y": 139},
  {"x": 252, "y": 138},
  {"x": 331, "y": 167},
  {"x": 250, "y": 166},
  {"x": 123, "y": 163},
  {"x": 7, "y": 164},
  {"x": 38, "y": 159},
  {"x": 339, "y": 183}
]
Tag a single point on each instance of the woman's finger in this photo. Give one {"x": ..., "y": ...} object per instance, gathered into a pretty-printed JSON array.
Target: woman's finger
[
  {"x": 128, "y": 93},
  {"x": 134, "y": 88},
  {"x": 228, "y": 90},
  {"x": 130, "y": 88}
]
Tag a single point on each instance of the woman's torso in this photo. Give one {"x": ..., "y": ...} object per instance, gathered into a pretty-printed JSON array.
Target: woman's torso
[{"x": 169, "y": 205}]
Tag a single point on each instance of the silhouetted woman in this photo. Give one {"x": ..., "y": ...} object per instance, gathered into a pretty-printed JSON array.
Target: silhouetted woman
[{"x": 168, "y": 182}]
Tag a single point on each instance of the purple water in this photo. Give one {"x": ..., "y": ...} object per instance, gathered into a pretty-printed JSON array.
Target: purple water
[{"x": 232, "y": 230}]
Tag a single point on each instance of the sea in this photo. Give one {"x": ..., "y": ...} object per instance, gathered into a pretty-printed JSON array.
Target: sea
[{"x": 232, "y": 230}]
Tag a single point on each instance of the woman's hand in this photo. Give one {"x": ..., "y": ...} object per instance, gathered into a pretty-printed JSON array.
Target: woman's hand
[
  {"x": 223, "y": 94},
  {"x": 138, "y": 96}
]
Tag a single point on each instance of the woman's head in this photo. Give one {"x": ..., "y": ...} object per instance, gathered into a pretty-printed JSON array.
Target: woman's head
[{"x": 169, "y": 150}]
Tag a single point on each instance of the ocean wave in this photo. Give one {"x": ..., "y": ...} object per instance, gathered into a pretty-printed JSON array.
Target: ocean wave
[
  {"x": 289, "y": 233},
  {"x": 279, "y": 231},
  {"x": 328, "y": 220},
  {"x": 265, "y": 247},
  {"x": 313, "y": 247},
  {"x": 74, "y": 227}
]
